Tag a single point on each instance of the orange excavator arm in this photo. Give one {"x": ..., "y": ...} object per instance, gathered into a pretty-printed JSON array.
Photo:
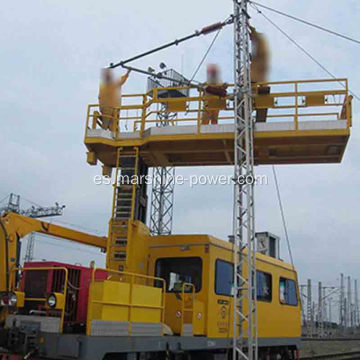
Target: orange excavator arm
[{"x": 13, "y": 227}]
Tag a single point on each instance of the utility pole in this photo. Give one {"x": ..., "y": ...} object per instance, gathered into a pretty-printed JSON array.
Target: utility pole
[
  {"x": 309, "y": 310},
  {"x": 303, "y": 311},
  {"x": 348, "y": 302},
  {"x": 313, "y": 329},
  {"x": 324, "y": 303},
  {"x": 357, "y": 319},
  {"x": 245, "y": 345},
  {"x": 33, "y": 212},
  {"x": 330, "y": 326},
  {"x": 342, "y": 314},
  {"x": 320, "y": 311}
]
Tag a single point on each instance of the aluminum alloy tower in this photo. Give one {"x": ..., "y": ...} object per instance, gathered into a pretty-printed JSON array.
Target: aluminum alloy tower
[
  {"x": 245, "y": 345},
  {"x": 162, "y": 195}
]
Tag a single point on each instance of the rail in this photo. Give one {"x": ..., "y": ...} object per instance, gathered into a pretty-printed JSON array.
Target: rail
[
  {"x": 294, "y": 101},
  {"x": 41, "y": 299},
  {"x": 184, "y": 309},
  {"x": 132, "y": 279}
]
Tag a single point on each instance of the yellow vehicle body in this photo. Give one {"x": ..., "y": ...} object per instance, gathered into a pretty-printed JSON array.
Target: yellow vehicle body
[{"x": 212, "y": 313}]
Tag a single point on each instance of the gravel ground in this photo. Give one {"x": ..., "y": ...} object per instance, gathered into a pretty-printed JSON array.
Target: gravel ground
[{"x": 309, "y": 348}]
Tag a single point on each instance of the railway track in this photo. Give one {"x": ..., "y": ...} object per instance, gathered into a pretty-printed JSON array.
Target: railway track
[
  {"x": 351, "y": 355},
  {"x": 304, "y": 339}
]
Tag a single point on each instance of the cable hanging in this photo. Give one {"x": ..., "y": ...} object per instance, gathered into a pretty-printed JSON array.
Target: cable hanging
[
  {"x": 206, "y": 54},
  {"x": 307, "y": 23},
  {"x": 307, "y": 53},
  {"x": 282, "y": 215}
]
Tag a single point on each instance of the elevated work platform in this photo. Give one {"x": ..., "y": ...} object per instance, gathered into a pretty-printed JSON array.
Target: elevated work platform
[{"x": 296, "y": 122}]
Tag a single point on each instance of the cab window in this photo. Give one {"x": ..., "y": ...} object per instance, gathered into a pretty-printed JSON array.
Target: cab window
[
  {"x": 224, "y": 277},
  {"x": 177, "y": 271},
  {"x": 288, "y": 293},
  {"x": 264, "y": 286}
]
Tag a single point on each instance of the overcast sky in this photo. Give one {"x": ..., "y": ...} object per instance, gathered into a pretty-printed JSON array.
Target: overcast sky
[{"x": 51, "y": 55}]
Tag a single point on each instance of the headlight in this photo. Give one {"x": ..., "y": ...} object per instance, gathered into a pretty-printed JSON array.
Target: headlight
[
  {"x": 51, "y": 301},
  {"x": 13, "y": 300},
  {"x": 4, "y": 300}
]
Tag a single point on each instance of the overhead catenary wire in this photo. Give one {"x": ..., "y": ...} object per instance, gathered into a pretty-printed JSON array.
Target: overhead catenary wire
[
  {"x": 6, "y": 197},
  {"x": 206, "y": 54},
  {"x": 307, "y": 53},
  {"x": 68, "y": 246},
  {"x": 319, "y": 27},
  {"x": 283, "y": 215},
  {"x": 204, "y": 31}
]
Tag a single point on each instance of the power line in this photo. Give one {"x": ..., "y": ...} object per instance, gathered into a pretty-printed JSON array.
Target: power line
[
  {"x": 307, "y": 23},
  {"x": 283, "y": 215},
  {"x": 77, "y": 226},
  {"x": 31, "y": 202},
  {"x": 4, "y": 198},
  {"x": 307, "y": 53},
  {"x": 206, "y": 54}
]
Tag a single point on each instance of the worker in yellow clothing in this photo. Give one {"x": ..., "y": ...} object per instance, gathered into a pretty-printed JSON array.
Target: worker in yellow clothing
[
  {"x": 259, "y": 56},
  {"x": 110, "y": 98},
  {"x": 214, "y": 89}
]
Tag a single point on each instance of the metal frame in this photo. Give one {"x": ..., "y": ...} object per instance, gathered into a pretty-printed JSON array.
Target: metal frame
[
  {"x": 30, "y": 246},
  {"x": 16, "y": 271},
  {"x": 163, "y": 186},
  {"x": 245, "y": 346},
  {"x": 139, "y": 109}
]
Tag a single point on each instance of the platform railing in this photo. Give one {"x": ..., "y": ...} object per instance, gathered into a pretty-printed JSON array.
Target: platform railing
[
  {"x": 301, "y": 99},
  {"x": 20, "y": 287},
  {"x": 132, "y": 279}
]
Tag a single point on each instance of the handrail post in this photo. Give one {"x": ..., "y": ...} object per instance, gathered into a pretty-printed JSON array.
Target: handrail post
[
  {"x": 199, "y": 113},
  {"x": 143, "y": 116},
  {"x": 163, "y": 307},
  {"x": 296, "y": 107},
  {"x": 64, "y": 305},
  {"x": 183, "y": 308},
  {"x": 182, "y": 315},
  {"x": 117, "y": 122},
  {"x": 130, "y": 302},
  {"x": 348, "y": 106}
]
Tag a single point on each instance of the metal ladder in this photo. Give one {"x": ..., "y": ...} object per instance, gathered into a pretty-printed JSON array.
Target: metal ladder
[{"x": 123, "y": 208}]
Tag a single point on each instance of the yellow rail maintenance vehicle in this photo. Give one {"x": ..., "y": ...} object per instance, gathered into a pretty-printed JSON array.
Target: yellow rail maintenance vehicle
[
  {"x": 165, "y": 296},
  {"x": 176, "y": 299}
]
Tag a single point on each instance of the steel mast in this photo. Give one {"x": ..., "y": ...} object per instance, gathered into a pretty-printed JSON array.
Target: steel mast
[
  {"x": 163, "y": 185},
  {"x": 245, "y": 344}
]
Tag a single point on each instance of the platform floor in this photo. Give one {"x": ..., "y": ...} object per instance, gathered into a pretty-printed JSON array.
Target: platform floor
[{"x": 275, "y": 143}]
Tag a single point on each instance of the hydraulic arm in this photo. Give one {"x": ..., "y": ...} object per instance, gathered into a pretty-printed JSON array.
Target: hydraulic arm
[{"x": 13, "y": 227}]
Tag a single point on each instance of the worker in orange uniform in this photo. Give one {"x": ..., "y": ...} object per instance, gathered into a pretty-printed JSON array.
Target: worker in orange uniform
[
  {"x": 214, "y": 88},
  {"x": 110, "y": 98},
  {"x": 259, "y": 56},
  {"x": 259, "y": 69}
]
